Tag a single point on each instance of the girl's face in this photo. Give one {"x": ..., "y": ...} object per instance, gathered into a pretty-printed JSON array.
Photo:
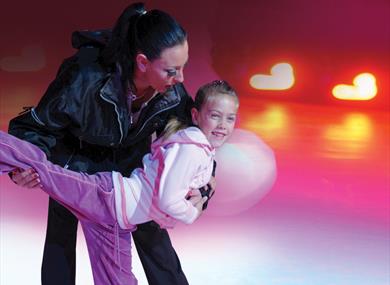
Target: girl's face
[
  {"x": 167, "y": 70},
  {"x": 216, "y": 118}
]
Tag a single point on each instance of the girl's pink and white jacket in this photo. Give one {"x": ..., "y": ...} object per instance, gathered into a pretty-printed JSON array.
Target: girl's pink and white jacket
[
  {"x": 106, "y": 201},
  {"x": 157, "y": 192}
]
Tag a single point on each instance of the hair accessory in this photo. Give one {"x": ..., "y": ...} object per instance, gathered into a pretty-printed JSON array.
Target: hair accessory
[{"x": 218, "y": 82}]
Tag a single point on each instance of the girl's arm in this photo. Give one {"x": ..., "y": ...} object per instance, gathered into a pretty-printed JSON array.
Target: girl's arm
[{"x": 181, "y": 164}]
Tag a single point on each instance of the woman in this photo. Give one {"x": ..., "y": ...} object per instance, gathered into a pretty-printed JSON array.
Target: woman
[{"x": 99, "y": 114}]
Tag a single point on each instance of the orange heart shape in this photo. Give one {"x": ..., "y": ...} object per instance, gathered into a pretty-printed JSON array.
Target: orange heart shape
[
  {"x": 281, "y": 78},
  {"x": 363, "y": 88}
]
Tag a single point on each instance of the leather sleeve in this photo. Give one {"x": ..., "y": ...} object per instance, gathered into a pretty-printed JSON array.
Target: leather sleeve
[{"x": 45, "y": 124}]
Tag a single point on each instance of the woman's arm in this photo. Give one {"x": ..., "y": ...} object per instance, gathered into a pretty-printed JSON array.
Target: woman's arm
[{"x": 44, "y": 125}]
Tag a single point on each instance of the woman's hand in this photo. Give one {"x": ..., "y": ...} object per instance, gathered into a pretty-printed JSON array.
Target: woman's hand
[
  {"x": 213, "y": 184},
  {"x": 26, "y": 178}
]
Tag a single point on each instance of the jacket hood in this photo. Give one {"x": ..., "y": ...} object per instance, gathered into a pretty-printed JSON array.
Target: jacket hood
[
  {"x": 190, "y": 135},
  {"x": 97, "y": 38}
]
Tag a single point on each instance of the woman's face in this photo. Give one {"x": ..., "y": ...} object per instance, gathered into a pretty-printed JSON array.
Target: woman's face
[
  {"x": 167, "y": 70},
  {"x": 216, "y": 118}
]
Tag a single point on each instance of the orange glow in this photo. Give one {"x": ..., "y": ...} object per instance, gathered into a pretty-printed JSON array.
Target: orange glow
[
  {"x": 281, "y": 78},
  {"x": 271, "y": 124},
  {"x": 363, "y": 88},
  {"x": 350, "y": 138}
]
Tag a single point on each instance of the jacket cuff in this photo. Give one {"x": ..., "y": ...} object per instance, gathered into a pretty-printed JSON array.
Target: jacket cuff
[{"x": 192, "y": 215}]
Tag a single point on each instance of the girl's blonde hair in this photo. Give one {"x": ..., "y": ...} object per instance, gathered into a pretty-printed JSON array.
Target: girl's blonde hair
[
  {"x": 205, "y": 92},
  {"x": 173, "y": 125},
  {"x": 211, "y": 90}
]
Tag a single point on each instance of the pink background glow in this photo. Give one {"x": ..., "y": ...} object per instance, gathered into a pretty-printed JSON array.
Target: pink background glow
[{"x": 325, "y": 221}]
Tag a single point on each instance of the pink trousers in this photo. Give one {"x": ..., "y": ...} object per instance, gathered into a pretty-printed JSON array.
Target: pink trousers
[{"x": 90, "y": 198}]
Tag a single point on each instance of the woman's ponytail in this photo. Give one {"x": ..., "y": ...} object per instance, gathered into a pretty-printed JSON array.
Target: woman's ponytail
[{"x": 121, "y": 48}]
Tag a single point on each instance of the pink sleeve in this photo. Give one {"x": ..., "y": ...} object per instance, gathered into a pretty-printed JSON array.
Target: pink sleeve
[{"x": 179, "y": 167}]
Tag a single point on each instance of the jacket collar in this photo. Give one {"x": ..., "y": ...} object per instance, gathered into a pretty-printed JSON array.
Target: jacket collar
[{"x": 112, "y": 90}]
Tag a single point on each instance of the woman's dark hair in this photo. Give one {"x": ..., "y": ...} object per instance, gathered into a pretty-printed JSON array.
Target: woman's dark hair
[{"x": 138, "y": 31}]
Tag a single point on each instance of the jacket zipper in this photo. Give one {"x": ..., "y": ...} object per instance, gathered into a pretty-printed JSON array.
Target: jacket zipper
[
  {"x": 35, "y": 117},
  {"x": 66, "y": 166},
  {"x": 117, "y": 113}
]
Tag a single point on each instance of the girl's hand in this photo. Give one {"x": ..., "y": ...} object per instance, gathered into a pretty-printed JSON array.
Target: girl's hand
[{"x": 213, "y": 184}]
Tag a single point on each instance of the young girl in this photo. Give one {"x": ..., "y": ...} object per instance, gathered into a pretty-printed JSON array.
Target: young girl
[{"x": 181, "y": 160}]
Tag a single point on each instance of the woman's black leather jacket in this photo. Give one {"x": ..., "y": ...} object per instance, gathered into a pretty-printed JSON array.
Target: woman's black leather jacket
[{"x": 83, "y": 122}]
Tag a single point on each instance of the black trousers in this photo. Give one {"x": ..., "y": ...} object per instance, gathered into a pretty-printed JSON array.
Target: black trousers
[{"x": 158, "y": 257}]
